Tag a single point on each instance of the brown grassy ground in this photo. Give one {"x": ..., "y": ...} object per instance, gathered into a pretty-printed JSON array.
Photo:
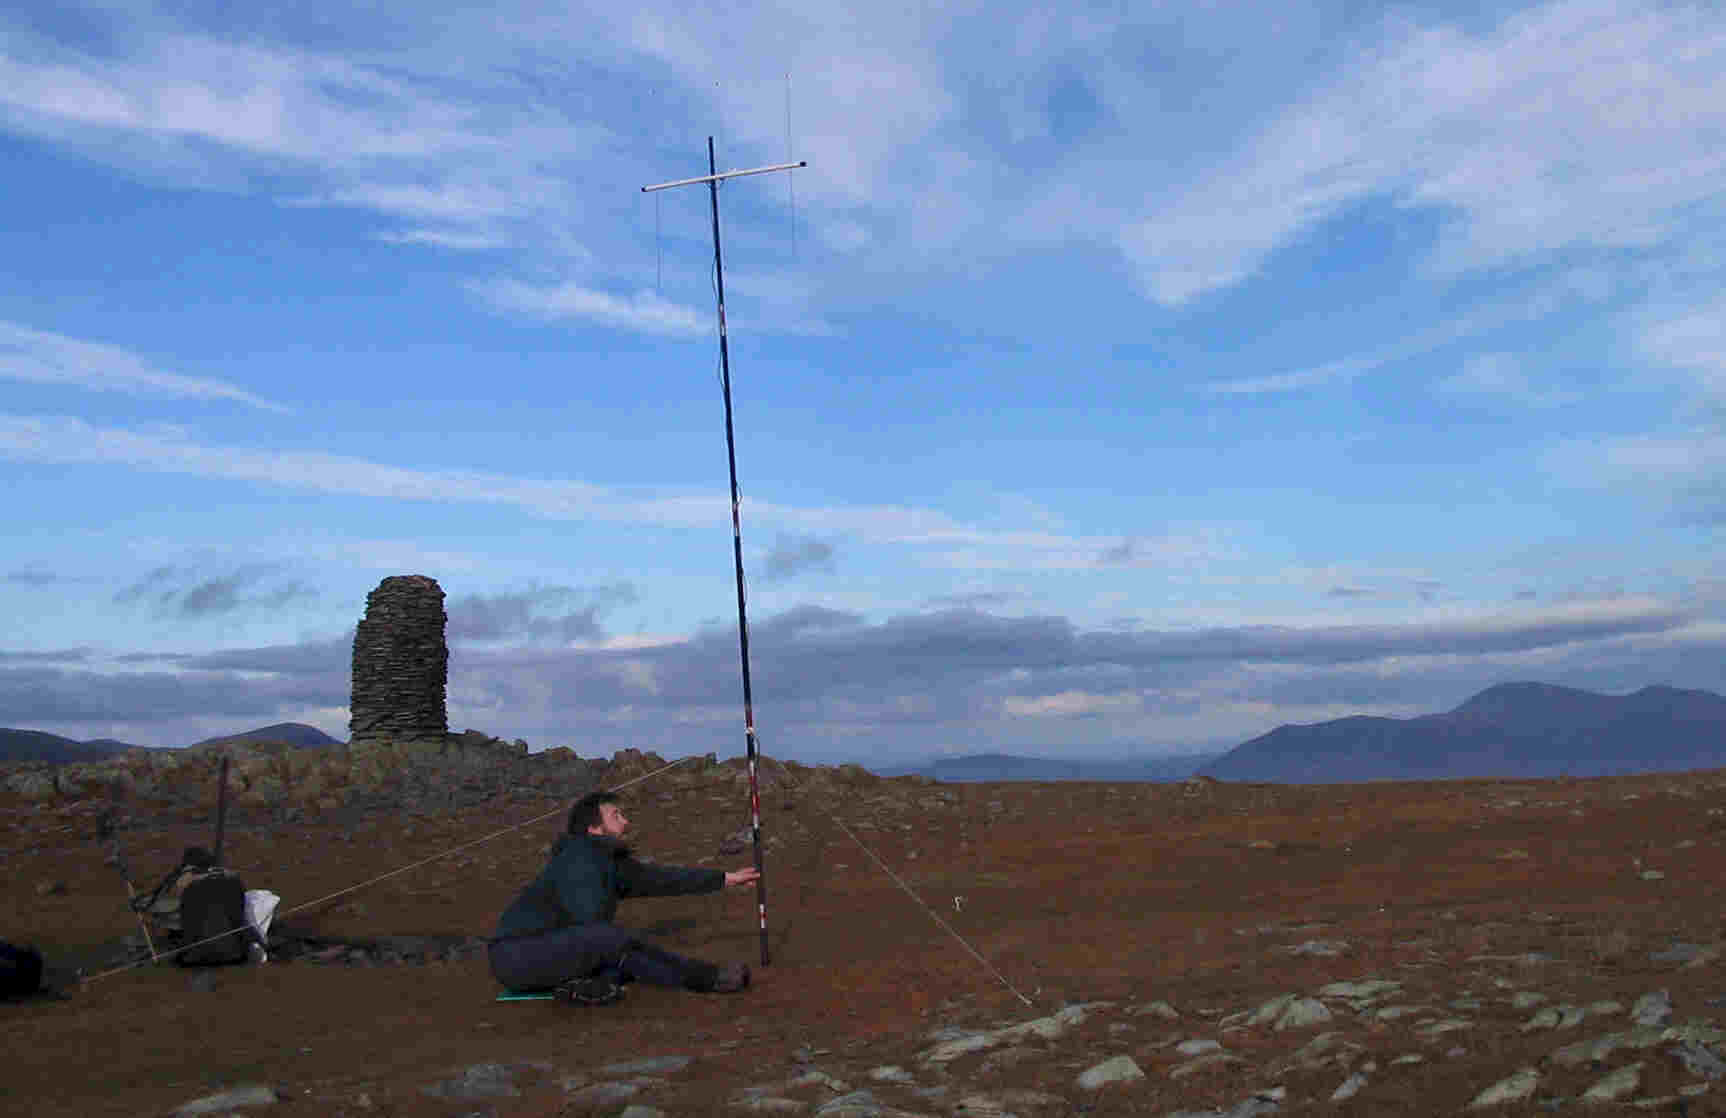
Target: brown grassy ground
[{"x": 1075, "y": 892}]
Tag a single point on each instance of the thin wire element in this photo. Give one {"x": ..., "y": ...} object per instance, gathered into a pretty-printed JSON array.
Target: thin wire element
[
  {"x": 790, "y": 176},
  {"x": 933, "y": 915},
  {"x": 383, "y": 877}
]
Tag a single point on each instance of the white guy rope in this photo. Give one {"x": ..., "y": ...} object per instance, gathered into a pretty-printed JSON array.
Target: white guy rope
[{"x": 933, "y": 915}]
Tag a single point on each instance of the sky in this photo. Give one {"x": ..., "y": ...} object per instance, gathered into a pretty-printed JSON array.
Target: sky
[{"x": 1116, "y": 380}]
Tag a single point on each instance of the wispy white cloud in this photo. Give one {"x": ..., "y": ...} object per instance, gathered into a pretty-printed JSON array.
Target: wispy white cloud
[
  {"x": 453, "y": 239},
  {"x": 1501, "y": 312},
  {"x": 1590, "y": 123},
  {"x": 938, "y": 538},
  {"x": 1692, "y": 340},
  {"x": 1580, "y": 123},
  {"x": 276, "y": 101},
  {"x": 1658, "y": 460},
  {"x": 69, "y": 440},
  {"x": 44, "y": 358},
  {"x": 1503, "y": 377},
  {"x": 644, "y": 311}
]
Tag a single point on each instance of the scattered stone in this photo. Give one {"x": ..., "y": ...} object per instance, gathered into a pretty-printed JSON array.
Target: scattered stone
[
  {"x": 1317, "y": 949},
  {"x": 1598, "y": 1049},
  {"x": 1367, "y": 990},
  {"x": 1678, "y": 953},
  {"x": 659, "y": 1065},
  {"x": 1514, "y": 1088},
  {"x": 1262, "y": 1102},
  {"x": 1302, "y": 1013},
  {"x": 860, "y": 1104},
  {"x": 249, "y": 1095},
  {"x": 1698, "y": 1060},
  {"x": 602, "y": 1094},
  {"x": 1448, "y": 1025},
  {"x": 1116, "y": 1069},
  {"x": 1198, "y": 1046},
  {"x": 767, "y": 1104},
  {"x": 951, "y": 1050},
  {"x": 1653, "y": 1008},
  {"x": 813, "y": 1077},
  {"x": 481, "y": 1081},
  {"x": 1556, "y": 1017},
  {"x": 1025, "y": 1098},
  {"x": 1266, "y": 1013},
  {"x": 1614, "y": 1087},
  {"x": 1326, "y": 1048},
  {"x": 1695, "y": 1032},
  {"x": 1046, "y": 1028},
  {"x": 891, "y": 1073}
]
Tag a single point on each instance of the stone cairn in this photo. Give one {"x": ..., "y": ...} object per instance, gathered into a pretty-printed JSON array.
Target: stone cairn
[{"x": 401, "y": 664}]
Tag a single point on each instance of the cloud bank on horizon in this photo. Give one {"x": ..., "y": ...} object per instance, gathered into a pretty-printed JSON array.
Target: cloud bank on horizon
[{"x": 1102, "y": 385}]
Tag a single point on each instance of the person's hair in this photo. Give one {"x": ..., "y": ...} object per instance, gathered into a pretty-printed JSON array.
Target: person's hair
[{"x": 585, "y": 813}]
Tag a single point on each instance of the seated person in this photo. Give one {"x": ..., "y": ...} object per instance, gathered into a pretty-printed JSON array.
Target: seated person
[{"x": 558, "y": 932}]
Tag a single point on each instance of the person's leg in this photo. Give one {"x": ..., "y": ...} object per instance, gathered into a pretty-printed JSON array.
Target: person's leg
[
  {"x": 647, "y": 962},
  {"x": 541, "y": 962}
]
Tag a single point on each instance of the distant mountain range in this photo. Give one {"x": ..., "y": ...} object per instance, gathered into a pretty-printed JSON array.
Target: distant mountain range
[
  {"x": 1002, "y": 766},
  {"x": 35, "y": 745},
  {"x": 1516, "y": 730},
  {"x": 1519, "y": 730},
  {"x": 297, "y": 734}
]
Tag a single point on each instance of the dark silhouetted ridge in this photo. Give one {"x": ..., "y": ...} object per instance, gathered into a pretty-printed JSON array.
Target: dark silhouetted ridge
[{"x": 1509, "y": 730}]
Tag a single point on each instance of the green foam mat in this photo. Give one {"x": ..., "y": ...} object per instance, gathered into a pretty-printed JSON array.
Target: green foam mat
[{"x": 525, "y": 996}]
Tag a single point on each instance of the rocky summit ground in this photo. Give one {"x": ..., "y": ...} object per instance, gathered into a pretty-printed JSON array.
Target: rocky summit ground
[{"x": 1197, "y": 949}]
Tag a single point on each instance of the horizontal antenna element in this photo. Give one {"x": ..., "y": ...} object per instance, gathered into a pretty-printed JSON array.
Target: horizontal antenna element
[{"x": 727, "y": 175}]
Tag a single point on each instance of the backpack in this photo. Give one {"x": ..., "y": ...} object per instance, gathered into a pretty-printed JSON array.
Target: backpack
[
  {"x": 20, "y": 970},
  {"x": 213, "y": 908}
]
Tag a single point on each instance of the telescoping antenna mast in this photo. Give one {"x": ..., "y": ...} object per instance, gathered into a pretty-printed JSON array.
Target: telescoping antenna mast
[{"x": 713, "y": 178}]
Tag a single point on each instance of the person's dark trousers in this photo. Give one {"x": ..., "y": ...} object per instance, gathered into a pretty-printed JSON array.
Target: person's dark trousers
[
  {"x": 542, "y": 961},
  {"x": 648, "y": 963}
]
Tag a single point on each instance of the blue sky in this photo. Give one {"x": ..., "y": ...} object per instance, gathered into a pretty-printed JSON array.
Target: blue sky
[{"x": 1105, "y": 385}]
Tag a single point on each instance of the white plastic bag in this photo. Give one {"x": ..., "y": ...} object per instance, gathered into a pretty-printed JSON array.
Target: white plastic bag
[{"x": 260, "y": 907}]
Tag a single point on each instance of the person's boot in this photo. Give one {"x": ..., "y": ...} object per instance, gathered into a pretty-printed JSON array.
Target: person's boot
[
  {"x": 732, "y": 978},
  {"x": 596, "y": 989}
]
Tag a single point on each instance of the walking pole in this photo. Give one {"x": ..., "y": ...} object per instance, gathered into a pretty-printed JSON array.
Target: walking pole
[
  {"x": 221, "y": 809},
  {"x": 105, "y": 831},
  {"x": 712, "y": 179}
]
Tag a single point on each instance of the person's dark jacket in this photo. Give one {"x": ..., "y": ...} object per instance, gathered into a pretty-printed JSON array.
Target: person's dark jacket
[{"x": 585, "y": 878}]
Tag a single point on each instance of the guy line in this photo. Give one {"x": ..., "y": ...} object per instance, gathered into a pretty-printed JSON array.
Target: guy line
[{"x": 849, "y": 833}]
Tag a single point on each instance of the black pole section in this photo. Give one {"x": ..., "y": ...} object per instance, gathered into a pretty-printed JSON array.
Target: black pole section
[
  {"x": 221, "y": 809},
  {"x": 737, "y": 559}
]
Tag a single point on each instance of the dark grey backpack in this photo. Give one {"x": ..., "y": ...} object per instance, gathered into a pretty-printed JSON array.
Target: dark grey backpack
[
  {"x": 213, "y": 921},
  {"x": 20, "y": 970}
]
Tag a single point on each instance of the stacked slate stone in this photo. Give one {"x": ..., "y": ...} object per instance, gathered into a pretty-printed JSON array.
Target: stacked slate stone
[{"x": 401, "y": 663}]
